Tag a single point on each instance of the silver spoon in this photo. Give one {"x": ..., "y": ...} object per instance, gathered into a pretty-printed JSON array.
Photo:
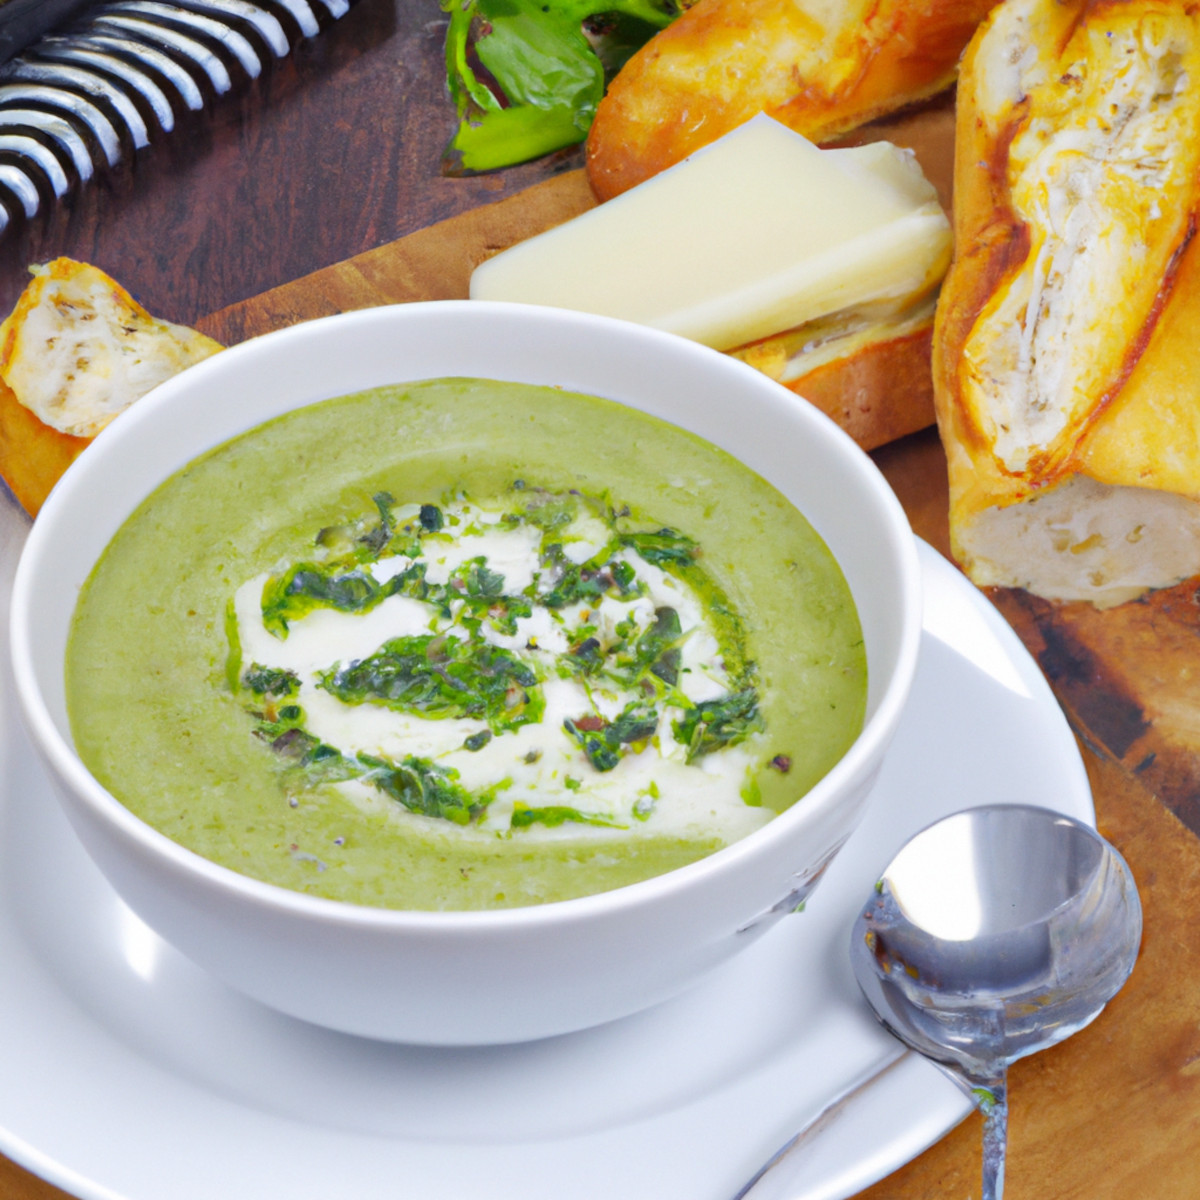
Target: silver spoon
[{"x": 996, "y": 932}]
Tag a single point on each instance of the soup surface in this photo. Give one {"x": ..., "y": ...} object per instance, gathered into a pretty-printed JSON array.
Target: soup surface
[{"x": 463, "y": 644}]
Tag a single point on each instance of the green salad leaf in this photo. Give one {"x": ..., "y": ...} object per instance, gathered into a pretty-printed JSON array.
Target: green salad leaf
[{"x": 526, "y": 75}]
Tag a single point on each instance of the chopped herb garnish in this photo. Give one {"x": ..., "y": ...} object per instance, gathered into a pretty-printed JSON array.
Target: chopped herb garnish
[
  {"x": 308, "y": 586},
  {"x": 604, "y": 742},
  {"x": 714, "y": 724},
  {"x": 271, "y": 681},
  {"x": 616, "y": 647},
  {"x": 635, "y": 724},
  {"x": 643, "y": 807},
  {"x": 438, "y": 676},
  {"x": 296, "y": 745},
  {"x": 553, "y": 815},
  {"x": 302, "y": 751},
  {"x": 663, "y": 548},
  {"x": 577, "y": 584},
  {"x": 600, "y": 754},
  {"x": 658, "y": 650},
  {"x": 423, "y": 787},
  {"x": 376, "y": 538},
  {"x": 482, "y": 580},
  {"x": 586, "y": 657}
]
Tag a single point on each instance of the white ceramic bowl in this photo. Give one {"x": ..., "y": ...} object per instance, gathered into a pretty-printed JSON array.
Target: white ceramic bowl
[{"x": 530, "y": 972}]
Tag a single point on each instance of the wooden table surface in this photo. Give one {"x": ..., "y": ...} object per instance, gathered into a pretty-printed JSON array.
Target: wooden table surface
[{"x": 336, "y": 155}]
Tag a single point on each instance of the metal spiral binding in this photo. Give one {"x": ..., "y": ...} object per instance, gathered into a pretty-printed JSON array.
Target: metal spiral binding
[{"x": 77, "y": 101}]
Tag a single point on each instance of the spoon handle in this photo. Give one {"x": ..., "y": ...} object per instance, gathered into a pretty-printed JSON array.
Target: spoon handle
[{"x": 993, "y": 1103}]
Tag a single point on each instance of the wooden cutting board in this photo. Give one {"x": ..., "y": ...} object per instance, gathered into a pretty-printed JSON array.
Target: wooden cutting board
[{"x": 436, "y": 264}]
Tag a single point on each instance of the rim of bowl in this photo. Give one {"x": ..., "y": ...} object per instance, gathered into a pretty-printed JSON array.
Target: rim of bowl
[{"x": 58, "y": 749}]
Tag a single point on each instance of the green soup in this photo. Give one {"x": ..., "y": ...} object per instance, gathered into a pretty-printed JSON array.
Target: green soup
[{"x": 463, "y": 644}]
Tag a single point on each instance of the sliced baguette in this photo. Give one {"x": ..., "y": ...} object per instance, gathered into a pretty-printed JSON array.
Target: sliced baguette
[
  {"x": 1066, "y": 362},
  {"x": 820, "y": 67}
]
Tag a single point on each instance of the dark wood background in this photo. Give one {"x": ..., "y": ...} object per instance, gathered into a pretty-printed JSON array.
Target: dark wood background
[{"x": 334, "y": 150}]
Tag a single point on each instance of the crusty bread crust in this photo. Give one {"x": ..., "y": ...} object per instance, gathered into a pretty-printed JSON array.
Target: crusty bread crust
[
  {"x": 32, "y": 454},
  {"x": 1065, "y": 357},
  {"x": 75, "y": 352},
  {"x": 821, "y": 68},
  {"x": 881, "y": 393}
]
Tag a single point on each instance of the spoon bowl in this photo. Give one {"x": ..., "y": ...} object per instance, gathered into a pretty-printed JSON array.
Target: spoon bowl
[{"x": 996, "y": 932}]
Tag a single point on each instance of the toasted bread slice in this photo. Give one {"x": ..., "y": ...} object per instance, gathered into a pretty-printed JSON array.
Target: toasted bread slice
[
  {"x": 820, "y": 67},
  {"x": 76, "y": 352},
  {"x": 874, "y": 382},
  {"x": 1065, "y": 355}
]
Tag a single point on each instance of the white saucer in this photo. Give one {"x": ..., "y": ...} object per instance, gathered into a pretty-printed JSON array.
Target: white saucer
[{"x": 127, "y": 1073}]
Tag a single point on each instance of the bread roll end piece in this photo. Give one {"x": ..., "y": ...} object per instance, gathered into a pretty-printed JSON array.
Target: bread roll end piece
[
  {"x": 76, "y": 351},
  {"x": 1066, "y": 325},
  {"x": 32, "y": 455},
  {"x": 822, "y": 69},
  {"x": 1084, "y": 540}
]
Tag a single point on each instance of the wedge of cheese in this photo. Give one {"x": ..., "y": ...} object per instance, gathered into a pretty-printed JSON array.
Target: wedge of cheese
[{"x": 760, "y": 243}]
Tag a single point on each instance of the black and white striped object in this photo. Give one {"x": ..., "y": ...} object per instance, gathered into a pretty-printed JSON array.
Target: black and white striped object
[{"x": 101, "y": 82}]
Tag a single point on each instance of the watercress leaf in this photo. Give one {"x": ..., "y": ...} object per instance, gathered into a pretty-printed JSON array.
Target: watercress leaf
[
  {"x": 526, "y": 76},
  {"x": 538, "y": 56}
]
